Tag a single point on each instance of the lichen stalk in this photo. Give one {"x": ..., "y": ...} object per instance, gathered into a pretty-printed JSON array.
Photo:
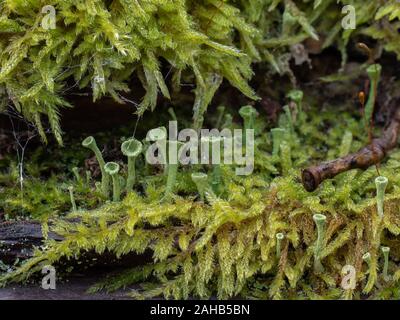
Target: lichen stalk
[
  {"x": 90, "y": 143},
  {"x": 112, "y": 168},
  {"x": 374, "y": 74},
  {"x": 381, "y": 184},
  {"x": 221, "y": 111},
  {"x": 131, "y": 148},
  {"x": 297, "y": 97},
  {"x": 278, "y": 135},
  {"x": 249, "y": 114},
  {"x": 88, "y": 177},
  {"x": 159, "y": 135},
  {"x": 72, "y": 198},
  {"x": 286, "y": 157},
  {"x": 172, "y": 113},
  {"x": 290, "y": 121},
  {"x": 228, "y": 121},
  {"x": 172, "y": 170},
  {"x": 78, "y": 177},
  {"x": 214, "y": 142},
  {"x": 320, "y": 221},
  {"x": 386, "y": 251},
  {"x": 279, "y": 238},
  {"x": 367, "y": 258}
]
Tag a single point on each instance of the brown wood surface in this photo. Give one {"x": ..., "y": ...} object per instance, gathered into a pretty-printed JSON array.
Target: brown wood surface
[{"x": 372, "y": 154}]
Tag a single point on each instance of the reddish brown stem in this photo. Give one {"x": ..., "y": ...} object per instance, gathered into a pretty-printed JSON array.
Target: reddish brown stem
[{"x": 370, "y": 155}]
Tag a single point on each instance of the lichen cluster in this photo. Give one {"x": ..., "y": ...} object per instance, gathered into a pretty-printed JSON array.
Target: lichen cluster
[
  {"x": 263, "y": 237},
  {"x": 211, "y": 232}
]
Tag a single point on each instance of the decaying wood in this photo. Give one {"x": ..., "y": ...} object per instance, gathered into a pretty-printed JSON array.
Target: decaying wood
[
  {"x": 372, "y": 154},
  {"x": 17, "y": 239}
]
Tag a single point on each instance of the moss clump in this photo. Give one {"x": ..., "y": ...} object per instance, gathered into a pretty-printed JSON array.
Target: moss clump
[
  {"x": 228, "y": 243},
  {"x": 101, "y": 46},
  {"x": 228, "y": 246}
]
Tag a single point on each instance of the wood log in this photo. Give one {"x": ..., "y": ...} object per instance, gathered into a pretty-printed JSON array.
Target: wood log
[{"x": 18, "y": 238}]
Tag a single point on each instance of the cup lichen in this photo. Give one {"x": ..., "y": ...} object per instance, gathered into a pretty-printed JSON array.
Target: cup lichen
[
  {"x": 249, "y": 115},
  {"x": 320, "y": 221},
  {"x": 381, "y": 184},
  {"x": 279, "y": 238},
  {"x": 374, "y": 74},
  {"x": 131, "y": 148},
  {"x": 112, "y": 168}
]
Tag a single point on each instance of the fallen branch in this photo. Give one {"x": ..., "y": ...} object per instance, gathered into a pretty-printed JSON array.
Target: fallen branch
[{"x": 372, "y": 154}]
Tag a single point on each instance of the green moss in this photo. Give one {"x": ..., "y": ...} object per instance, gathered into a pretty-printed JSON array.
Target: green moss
[
  {"x": 101, "y": 47},
  {"x": 227, "y": 246}
]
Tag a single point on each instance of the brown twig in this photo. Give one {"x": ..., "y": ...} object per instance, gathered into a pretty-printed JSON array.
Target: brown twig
[{"x": 372, "y": 154}]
